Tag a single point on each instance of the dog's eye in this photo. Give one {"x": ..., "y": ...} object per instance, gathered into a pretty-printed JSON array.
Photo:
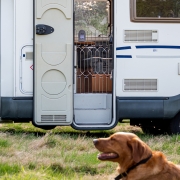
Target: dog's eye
[{"x": 113, "y": 139}]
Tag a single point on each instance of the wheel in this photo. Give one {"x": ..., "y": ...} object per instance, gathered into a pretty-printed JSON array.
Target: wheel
[
  {"x": 46, "y": 127},
  {"x": 148, "y": 130},
  {"x": 153, "y": 130},
  {"x": 174, "y": 125}
]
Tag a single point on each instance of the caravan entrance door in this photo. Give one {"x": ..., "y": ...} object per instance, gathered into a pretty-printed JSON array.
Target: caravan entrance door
[{"x": 53, "y": 62}]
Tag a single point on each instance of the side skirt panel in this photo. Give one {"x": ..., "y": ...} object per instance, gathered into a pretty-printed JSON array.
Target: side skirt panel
[
  {"x": 21, "y": 108},
  {"x": 17, "y": 108},
  {"x": 147, "y": 107}
]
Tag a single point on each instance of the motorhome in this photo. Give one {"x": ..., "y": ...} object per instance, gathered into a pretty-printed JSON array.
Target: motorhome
[{"x": 90, "y": 64}]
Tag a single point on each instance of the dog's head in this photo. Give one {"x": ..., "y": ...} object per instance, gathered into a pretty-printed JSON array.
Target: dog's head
[{"x": 125, "y": 148}]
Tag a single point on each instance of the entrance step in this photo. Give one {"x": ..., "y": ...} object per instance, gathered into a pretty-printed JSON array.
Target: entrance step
[{"x": 93, "y": 108}]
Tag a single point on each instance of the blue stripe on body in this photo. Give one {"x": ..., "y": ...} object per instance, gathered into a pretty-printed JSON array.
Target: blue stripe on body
[
  {"x": 123, "y": 56},
  {"x": 158, "y": 47},
  {"x": 123, "y": 48}
]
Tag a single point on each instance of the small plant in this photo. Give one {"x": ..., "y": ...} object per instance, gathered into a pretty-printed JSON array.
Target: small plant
[
  {"x": 32, "y": 166},
  {"x": 6, "y": 168},
  {"x": 4, "y": 143},
  {"x": 51, "y": 141}
]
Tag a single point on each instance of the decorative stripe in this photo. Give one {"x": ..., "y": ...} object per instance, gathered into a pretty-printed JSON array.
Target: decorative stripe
[
  {"x": 142, "y": 98},
  {"x": 123, "y": 56},
  {"x": 123, "y": 48},
  {"x": 158, "y": 47},
  {"x": 142, "y": 56}
]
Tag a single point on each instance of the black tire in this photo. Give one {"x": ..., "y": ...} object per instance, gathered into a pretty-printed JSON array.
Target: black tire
[
  {"x": 174, "y": 125},
  {"x": 152, "y": 130},
  {"x": 46, "y": 127},
  {"x": 148, "y": 130}
]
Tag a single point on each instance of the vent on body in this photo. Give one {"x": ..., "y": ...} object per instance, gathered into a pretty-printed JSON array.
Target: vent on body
[
  {"x": 140, "y": 36},
  {"x": 140, "y": 85},
  {"x": 53, "y": 118}
]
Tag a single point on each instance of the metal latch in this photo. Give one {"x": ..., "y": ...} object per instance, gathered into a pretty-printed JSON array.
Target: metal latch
[
  {"x": 42, "y": 29},
  {"x": 111, "y": 75}
]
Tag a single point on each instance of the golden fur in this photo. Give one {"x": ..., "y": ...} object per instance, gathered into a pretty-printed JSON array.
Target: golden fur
[{"x": 127, "y": 150}]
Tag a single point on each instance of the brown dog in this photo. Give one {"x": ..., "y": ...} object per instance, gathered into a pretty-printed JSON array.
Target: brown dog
[{"x": 136, "y": 160}]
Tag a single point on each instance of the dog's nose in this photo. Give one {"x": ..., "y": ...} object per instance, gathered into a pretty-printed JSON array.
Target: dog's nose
[{"x": 95, "y": 141}]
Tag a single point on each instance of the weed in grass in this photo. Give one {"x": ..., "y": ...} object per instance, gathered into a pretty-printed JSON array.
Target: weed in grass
[
  {"x": 32, "y": 166},
  {"x": 57, "y": 168},
  {"x": 80, "y": 169},
  {"x": 4, "y": 143},
  {"x": 5, "y": 168},
  {"x": 86, "y": 170},
  {"x": 178, "y": 150},
  {"x": 51, "y": 141},
  {"x": 85, "y": 158},
  {"x": 31, "y": 175}
]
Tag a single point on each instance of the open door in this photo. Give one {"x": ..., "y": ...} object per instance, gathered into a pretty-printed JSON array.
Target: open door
[
  {"x": 94, "y": 102},
  {"x": 53, "y": 62}
]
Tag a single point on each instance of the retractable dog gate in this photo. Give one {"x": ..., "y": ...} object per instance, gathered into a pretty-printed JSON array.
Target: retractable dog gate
[
  {"x": 94, "y": 66},
  {"x": 93, "y": 48}
]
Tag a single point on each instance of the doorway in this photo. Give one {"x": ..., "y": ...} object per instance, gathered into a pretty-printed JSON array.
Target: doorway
[{"x": 93, "y": 62}]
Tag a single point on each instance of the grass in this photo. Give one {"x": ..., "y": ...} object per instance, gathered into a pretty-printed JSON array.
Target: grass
[{"x": 31, "y": 153}]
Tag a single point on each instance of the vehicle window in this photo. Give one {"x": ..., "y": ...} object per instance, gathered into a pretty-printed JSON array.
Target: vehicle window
[
  {"x": 158, "y": 8},
  {"x": 155, "y": 10},
  {"x": 92, "y": 17}
]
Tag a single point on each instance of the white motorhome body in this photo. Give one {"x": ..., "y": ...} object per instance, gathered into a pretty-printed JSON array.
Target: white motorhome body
[{"x": 43, "y": 80}]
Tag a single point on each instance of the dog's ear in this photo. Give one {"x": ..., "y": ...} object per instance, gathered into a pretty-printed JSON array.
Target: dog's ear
[{"x": 139, "y": 149}]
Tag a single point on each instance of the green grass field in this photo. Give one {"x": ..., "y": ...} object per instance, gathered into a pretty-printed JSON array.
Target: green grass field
[{"x": 29, "y": 153}]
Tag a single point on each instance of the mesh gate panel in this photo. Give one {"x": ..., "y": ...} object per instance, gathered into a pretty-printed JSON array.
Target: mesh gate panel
[{"x": 93, "y": 66}]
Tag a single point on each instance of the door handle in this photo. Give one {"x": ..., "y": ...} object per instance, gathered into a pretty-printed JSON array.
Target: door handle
[{"x": 42, "y": 29}]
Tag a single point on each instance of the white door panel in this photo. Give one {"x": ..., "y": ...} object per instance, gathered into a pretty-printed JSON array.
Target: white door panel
[{"x": 53, "y": 62}]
